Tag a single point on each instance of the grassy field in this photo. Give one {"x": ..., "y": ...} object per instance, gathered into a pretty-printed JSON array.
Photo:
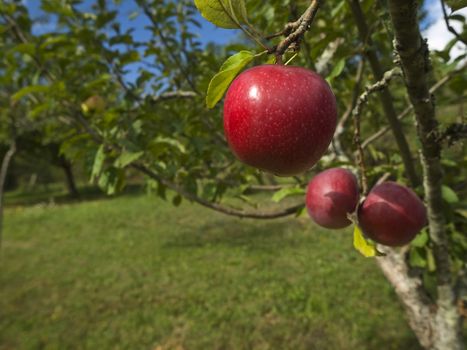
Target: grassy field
[{"x": 134, "y": 272}]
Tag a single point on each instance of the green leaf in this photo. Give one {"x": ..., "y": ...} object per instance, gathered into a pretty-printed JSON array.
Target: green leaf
[
  {"x": 98, "y": 163},
  {"x": 229, "y": 70},
  {"x": 271, "y": 59},
  {"x": 337, "y": 8},
  {"x": 417, "y": 257},
  {"x": 286, "y": 192},
  {"x": 449, "y": 195},
  {"x": 168, "y": 141},
  {"x": 26, "y": 48},
  {"x": 456, "y": 4},
  {"x": 430, "y": 260},
  {"x": 112, "y": 181},
  {"x": 127, "y": 157},
  {"x": 133, "y": 15},
  {"x": 30, "y": 90},
  {"x": 420, "y": 240},
  {"x": 336, "y": 71},
  {"x": 365, "y": 247},
  {"x": 223, "y": 13},
  {"x": 39, "y": 110},
  {"x": 98, "y": 82}
]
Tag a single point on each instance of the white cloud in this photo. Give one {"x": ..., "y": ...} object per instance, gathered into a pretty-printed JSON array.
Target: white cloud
[{"x": 437, "y": 34}]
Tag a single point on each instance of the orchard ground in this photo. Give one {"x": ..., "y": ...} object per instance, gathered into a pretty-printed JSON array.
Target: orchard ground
[{"x": 135, "y": 272}]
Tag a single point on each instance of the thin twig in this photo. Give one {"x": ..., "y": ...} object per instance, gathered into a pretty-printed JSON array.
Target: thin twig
[
  {"x": 22, "y": 38},
  {"x": 453, "y": 133},
  {"x": 215, "y": 206},
  {"x": 448, "y": 25},
  {"x": 170, "y": 95},
  {"x": 357, "y": 111},
  {"x": 386, "y": 98},
  {"x": 409, "y": 108},
  {"x": 170, "y": 52},
  {"x": 355, "y": 92},
  {"x": 378, "y": 86}
]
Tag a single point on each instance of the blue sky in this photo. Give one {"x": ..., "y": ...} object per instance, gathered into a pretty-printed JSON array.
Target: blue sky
[
  {"x": 433, "y": 27},
  {"x": 207, "y": 33}
]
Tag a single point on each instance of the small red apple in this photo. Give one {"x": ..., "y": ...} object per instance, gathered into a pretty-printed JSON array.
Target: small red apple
[
  {"x": 392, "y": 214},
  {"x": 280, "y": 119},
  {"x": 330, "y": 196}
]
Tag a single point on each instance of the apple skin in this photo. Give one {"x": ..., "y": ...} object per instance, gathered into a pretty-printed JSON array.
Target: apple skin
[
  {"x": 392, "y": 214},
  {"x": 330, "y": 196},
  {"x": 280, "y": 119}
]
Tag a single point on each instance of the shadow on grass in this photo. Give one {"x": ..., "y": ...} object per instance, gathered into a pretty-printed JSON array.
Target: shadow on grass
[
  {"x": 234, "y": 232},
  {"x": 59, "y": 196}
]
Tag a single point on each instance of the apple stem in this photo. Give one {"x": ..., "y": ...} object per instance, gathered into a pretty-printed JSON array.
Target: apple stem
[
  {"x": 279, "y": 59},
  {"x": 295, "y": 30}
]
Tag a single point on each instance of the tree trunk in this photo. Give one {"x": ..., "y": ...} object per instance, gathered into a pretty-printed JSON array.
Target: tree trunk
[
  {"x": 3, "y": 173},
  {"x": 414, "y": 59},
  {"x": 419, "y": 308},
  {"x": 69, "y": 177}
]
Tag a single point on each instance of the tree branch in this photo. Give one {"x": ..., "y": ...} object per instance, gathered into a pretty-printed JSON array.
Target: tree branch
[
  {"x": 385, "y": 95},
  {"x": 215, "y": 206},
  {"x": 378, "y": 86},
  {"x": 409, "y": 289},
  {"x": 414, "y": 59}
]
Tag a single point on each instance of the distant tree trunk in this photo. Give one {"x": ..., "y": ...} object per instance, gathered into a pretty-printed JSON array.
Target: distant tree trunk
[
  {"x": 11, "y": 181},
  {"x": 69, "y": 177},
  {"x": 3, "y": 173}
]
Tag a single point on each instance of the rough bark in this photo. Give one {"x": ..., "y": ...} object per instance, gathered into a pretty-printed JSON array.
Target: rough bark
[
  {"x": 384, "y": 95},
  {"x": 409, "y": 288},
  {"x": 414, "y": 59}
]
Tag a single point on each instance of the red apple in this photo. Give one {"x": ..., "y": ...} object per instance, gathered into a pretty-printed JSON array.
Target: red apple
[
  {"x": 392, "y": 214},
  {"x": 330, "y": 196},
  {"x": 280, "y": 119}
]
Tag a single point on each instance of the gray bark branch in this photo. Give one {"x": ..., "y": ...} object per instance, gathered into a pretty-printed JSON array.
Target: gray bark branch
[{"x": 410, "y": 291}]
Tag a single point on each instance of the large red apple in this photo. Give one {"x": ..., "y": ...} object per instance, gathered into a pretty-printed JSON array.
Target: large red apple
[
  {"x": 392, "y": 214},
  {"x": 280, "y": 119},
  {"x": 330, "y": 196}
]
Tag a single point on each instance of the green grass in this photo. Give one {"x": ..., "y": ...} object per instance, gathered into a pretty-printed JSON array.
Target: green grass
[{"x": 134, "y": 272}]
